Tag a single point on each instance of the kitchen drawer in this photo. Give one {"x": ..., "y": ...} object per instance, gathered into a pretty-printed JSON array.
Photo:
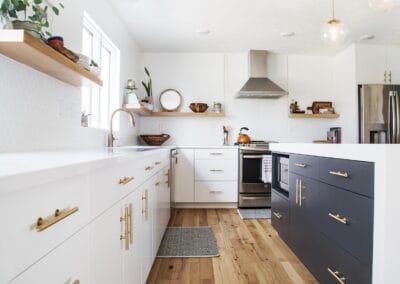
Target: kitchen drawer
[
  {"x": 216, "y": 191},
  {"x": 21, "y": 244},
  {"x": 338, "y": 260},
  {"x": 307, "y": 166},
  {"x": 280, "y": 215},
  {"x": 68, "y": 263},
  {"x": 107, "y": 185},
  {"x": 355, "y": 234},
  {"x": 254, "y": 200},
  {"x": 216, "y": 170},
  {"x": 351, "y": 175},
  {"x": 216, "y": 154}
]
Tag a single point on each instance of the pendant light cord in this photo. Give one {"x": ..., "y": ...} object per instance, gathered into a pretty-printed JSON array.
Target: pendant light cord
[{"x": 333, "y": 10}]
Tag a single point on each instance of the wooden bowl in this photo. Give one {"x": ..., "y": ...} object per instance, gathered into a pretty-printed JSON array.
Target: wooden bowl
[
  {"x": 155, "y": 140},
  {"x": 198, "y": 107}
]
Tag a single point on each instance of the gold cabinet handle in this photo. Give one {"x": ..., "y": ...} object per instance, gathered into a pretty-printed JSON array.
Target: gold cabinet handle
[
  {"x": 157, "y": 183},
  {"x": 335, "y": 274},
  {"x": 125, "y": 235},
  {"x": 145, "y": 209},
  {"x": 148, "y": 168},
  {"x": 301, "y": 197},
  {"x": 301, "y": 165},
  {"x": 42, "y": 224},
  {"x": 339, "y": 174},
  {"x": 278, "y": 215},
  {"x": 216, "y": 191},
  {"x": 297, "y": 191},
  {"x": 131, "y": 223},
  {"x": 216, "y": 170},
  {"x": 157, "y": 163},
  {"x": 125, "y": 180},
  {"x": 338, "y": 218}
]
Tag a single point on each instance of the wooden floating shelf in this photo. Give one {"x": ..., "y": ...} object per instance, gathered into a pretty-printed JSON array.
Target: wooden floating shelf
[
  {"x": 145, "y": 112},
  {"x": 25, "y": 48},
  {"x": 320, "y": 115}
]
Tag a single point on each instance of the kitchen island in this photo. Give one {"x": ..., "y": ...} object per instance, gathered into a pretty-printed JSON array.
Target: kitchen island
[{"x": 386, "y": 233}]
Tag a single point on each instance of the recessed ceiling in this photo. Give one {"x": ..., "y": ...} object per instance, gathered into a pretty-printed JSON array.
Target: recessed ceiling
[{"x": 240, "y": 25}]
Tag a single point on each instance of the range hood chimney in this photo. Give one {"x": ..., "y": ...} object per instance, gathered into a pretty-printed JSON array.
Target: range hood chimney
[{"x": 259, "y": 85}]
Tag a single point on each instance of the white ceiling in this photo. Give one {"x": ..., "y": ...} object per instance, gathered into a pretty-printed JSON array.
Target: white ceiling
[{"x": 240, "y": 25}]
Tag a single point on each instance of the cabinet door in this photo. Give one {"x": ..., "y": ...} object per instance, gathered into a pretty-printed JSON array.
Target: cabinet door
[
  {"x": 132, "y": 257},
  {"x": 166, "y": 206},
  {"x": 370, "y": 63},
  {"x": 393, "y": 63},
  {"x": 184, "y": 176},
  {"x": 304, "y": 219},
  {"x": 66, "y": 264},
  {"x": 157, "y": 210},
  {"x": 105, "y": 247}
]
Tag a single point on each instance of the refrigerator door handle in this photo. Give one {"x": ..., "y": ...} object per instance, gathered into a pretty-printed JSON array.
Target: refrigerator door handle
[
  {"x": 396, "y": 118},
  {"x": 390, "y": 111}
]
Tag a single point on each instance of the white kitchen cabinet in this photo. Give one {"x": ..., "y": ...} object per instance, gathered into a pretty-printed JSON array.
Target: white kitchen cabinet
[
  {"x": 184, "y": 176},
  {"x": 216, "y": 191},
  {"x": 216, "y": 170},
  {"x": 66, "y": 264},
  {"x": 377, "y": 64}
]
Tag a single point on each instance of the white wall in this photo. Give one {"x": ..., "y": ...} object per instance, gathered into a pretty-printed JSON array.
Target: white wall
[
  {"x": 38, "y": 112},
  {"x": 208, "y": 77}
]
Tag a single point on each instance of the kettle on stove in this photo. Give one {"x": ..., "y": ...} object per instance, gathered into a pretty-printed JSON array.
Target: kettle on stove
[{"x": 243, "y": 138}]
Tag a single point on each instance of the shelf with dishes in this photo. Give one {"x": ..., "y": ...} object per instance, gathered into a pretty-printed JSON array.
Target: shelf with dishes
[
  {"x": 145, "y": 112},
  {"x": 29, "y": 50}
]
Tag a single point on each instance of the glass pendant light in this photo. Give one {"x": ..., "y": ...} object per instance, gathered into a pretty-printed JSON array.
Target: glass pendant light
[
  {"x": 334, "y": 30},
  {"x": 384, "y": 5}
]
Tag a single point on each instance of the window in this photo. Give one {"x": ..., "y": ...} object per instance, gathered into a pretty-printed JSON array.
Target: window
[{"x": 100, "y": 102}]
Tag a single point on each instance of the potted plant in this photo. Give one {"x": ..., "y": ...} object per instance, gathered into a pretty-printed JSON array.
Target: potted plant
[
  {"x": 148, "y": 87},
  {"x": 30, "y": 15}
]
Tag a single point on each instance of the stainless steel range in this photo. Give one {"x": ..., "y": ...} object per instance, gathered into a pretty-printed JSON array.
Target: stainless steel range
[{"x": 255, "y": 175}]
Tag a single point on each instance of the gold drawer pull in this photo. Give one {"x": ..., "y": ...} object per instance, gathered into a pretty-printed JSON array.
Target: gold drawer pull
[
  {"x": 43, "y": 224},
  {"x": 278, "y": 215},
  {"x": 216, "y": 191},
  {"x": 149, "y": 168},
  {"x": 338, "y": 218},
  {"x": 157, "y": 163},
  {"x": 339, "y": 174},
  {"x": 125, "y": 236},
  {"x": 130, "y": 223},
  {"x": 216, "y": 171},
  {"x": 300, "y": 165},
  {"x": 125, "y": 180},
  {"x": 216, "y": 154},
  {"x": 157, "y": 183},
  {"x": 145, "y": 209},
  {"x": 335, "y": 274}
]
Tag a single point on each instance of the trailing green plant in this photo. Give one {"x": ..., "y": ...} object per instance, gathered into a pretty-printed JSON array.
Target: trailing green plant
[
  {"x": 149, "y": 85},
  {"x": 93, "y": 63},
  {"x": 34, "y": 10}
]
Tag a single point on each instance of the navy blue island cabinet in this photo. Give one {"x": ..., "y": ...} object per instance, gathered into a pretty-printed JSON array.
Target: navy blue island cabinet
[{"x": 325, "y": 215}]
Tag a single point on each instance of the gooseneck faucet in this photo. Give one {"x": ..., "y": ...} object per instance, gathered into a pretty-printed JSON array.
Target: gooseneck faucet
[{"x": 111, "y": 137}]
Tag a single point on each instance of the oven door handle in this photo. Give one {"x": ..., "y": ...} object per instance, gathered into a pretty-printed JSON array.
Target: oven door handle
[
  {"x": 251, "y": 198},
  {"x": 254, "y": 156}
]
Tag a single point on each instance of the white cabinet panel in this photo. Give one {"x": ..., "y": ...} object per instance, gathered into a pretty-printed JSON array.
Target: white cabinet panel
[
  {"x": 217, "y": 191},
  {"x": 66, "y": 264},
  {"x": 393, "y": 63},
  {"x": 20, "y": 243},
  {"x": 371, "y": 63},
  {"x": 184, "y": 176},
  {"x": 146, "y": 230},
  {"x": 216, "y": 170}
]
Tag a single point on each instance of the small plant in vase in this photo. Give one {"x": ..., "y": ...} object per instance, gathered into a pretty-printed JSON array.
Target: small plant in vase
[{"x": 147, "y": 101}]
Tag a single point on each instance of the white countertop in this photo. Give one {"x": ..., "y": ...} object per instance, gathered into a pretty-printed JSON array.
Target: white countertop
[{"x": 386, "y": 159}]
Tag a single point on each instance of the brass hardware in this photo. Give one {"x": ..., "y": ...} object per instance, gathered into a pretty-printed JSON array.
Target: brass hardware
[
  {"x": 76, "y": 281},
  {"x": 215, "y": 170},
  {"x": 157, "y": 183},
  {"x": 300, "y": 165},
  {"x": 149, "y": 168},
  {"x": 385, "y": 76},
  {"x": 43, "y": 224},
  {"x": 158, "y": 163},
  {"x": 335, "y": 274},
  {"x": 390, "y": 77},
  {"x": 145, "y": 209},
  {"x": 297, "y": 190},
  {"x": 216, "y": 191},
  {"x": 130, "y": 223},
  {"x": 338, "y": 218},
  {"x": 125, "y": 180},
  {"x": 126, "y": 234},
  {"x": 300, "y": 192},
  {"x": 277, "y": 215},
  {"x": 339, "y": 174}
]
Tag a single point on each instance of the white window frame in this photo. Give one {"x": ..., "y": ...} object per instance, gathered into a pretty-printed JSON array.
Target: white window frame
[{"x": 98, "y": 95}]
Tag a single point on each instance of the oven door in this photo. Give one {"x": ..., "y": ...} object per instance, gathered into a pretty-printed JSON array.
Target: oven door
[{"x": 255, "y": 173}]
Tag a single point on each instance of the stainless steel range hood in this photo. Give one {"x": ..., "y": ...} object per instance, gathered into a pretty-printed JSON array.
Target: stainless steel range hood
[{"x": 259, "y": 85}]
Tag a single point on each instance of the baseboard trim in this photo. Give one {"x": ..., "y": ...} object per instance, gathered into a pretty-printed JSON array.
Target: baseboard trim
[{"x": 205, "y": 205}]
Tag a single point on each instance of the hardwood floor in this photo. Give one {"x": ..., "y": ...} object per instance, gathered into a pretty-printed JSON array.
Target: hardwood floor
[{"x": 250, "y": 252}]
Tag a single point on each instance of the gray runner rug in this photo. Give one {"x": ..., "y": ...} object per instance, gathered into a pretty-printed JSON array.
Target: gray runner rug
[
  {"x": 247, "y": 214},
  {"x": 188, "y": 242}
]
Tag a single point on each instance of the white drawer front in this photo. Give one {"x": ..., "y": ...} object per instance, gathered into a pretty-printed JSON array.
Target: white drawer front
[
  {"x": 66, "y": 264},
  {"x": 217, "y": 191},
  {"x": 216, "y": 154},
  {"x": 216, "y": 170},
  {"x": 21, "y": 244}
]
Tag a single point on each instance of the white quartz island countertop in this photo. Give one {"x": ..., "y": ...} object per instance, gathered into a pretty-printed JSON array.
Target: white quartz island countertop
[{"x": 386, "y": 197}]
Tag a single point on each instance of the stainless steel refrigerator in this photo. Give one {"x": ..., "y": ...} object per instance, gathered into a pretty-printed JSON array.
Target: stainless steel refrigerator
[{"x": 379, "y": 114}]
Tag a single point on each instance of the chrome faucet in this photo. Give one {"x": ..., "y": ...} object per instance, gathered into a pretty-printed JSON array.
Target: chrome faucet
[{"x": 111, "y": 137}]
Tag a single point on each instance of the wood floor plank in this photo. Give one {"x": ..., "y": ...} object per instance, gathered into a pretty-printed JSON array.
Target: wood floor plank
[{"x": 251, "y": 251}]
